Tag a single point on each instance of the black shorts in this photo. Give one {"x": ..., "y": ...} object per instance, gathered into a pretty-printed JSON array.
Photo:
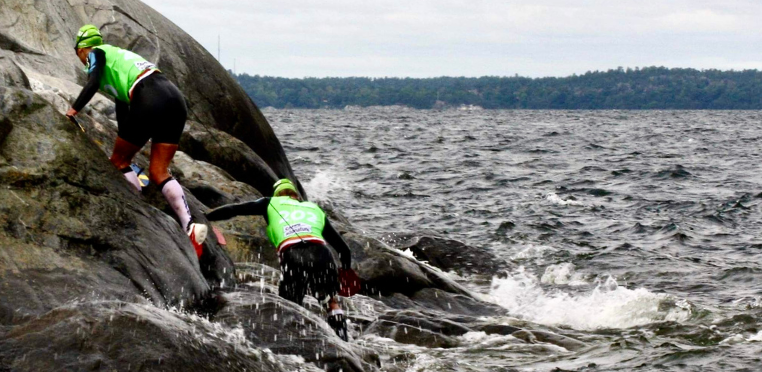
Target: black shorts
[
  {"x": 157, "y": 112},
  {"x": 308, "y": 268}
]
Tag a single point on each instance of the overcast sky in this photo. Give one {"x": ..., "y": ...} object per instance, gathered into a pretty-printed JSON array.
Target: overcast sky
[{"x": 426, "y": 38}]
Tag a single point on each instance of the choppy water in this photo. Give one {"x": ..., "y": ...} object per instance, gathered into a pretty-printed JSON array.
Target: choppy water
[{"x": 638, "y": 232}]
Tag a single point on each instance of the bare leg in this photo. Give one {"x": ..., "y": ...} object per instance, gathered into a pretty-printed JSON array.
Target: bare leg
[
  {"x": 336, "y": 319},
  {"x": 333, "y": 305},
  {"x": 161, "y": 156}
]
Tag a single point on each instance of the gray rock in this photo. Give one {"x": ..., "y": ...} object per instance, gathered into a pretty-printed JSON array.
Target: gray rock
[
  {"x": 72, "y": 228},
  {"x": 452, "y": 303},
  {"x": 118, "y": 336},
  {"x": 450, "y": 255},
  {"x": 11, "y": 74},
  {"x": 215, "y": 263},
  {"x": 384, "y": 270},
  {"x": 230, "y": 154},
  {"x": 287, "y": 328},
  {"x": 41, "y": 35},
  {"x": 534, "y": 337},
  {"x": 412, "y": 327}
]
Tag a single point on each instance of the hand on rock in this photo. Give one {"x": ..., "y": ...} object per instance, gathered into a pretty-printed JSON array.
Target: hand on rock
[{"x": 71, "y": 113}]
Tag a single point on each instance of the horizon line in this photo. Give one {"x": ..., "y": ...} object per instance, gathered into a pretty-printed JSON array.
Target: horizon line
[{"x": 617, "y": 69}]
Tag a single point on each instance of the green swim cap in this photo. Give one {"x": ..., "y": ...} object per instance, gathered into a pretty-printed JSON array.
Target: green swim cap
[
  {"x": 283, "y": 184},
  {"x": 88, "y": 36}
]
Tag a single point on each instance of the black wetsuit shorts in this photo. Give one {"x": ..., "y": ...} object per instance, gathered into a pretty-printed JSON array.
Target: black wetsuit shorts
[
  {"x": 157, "y": 111},
  {"x": 308, "y": 268}
]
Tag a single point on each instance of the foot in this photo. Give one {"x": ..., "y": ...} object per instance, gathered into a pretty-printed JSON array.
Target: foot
[
  {"x": 197, "y": 233},
  {"x": 339, "y": 324}
]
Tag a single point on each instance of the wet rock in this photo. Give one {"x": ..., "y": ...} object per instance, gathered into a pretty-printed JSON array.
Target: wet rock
[
  {"x": 451, "y": 303},
  {"x": 118, "y": 336},
  {"x": 534, "y": 337},
  {"x": 492, "y": 329},
  {"x": 384, "y": 270},
  {"x": 411, "y": 327},
  {"x": 73, "y": 228},
  {"x": 284, "y": 327},
  {"x": 451, "y": 255}
]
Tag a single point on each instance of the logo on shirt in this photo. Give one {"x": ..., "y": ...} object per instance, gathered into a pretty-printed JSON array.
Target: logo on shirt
[
  {"x": 298, "y": 228},
  {"x": 144, "y": 65}
]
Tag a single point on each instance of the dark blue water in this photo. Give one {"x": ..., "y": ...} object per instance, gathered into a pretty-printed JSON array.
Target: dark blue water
[{"x": 638, "y": 232}]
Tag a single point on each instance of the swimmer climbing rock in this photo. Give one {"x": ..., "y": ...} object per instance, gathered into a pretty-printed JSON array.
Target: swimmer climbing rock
[
  {"x": 299, "y": 230},
  {"x": 148, "y": 106}
]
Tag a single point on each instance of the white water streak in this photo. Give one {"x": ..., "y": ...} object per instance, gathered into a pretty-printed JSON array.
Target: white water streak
[{"x": 607, "y": 306}]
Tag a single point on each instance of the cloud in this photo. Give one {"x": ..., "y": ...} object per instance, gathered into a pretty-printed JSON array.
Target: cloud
[{"x": 452, "y": 37}]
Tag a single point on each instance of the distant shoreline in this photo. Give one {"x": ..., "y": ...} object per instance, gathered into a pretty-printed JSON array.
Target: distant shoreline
[{"x": 648, "y": 88}]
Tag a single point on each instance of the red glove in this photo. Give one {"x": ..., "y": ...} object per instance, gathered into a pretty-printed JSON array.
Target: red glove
[{"x": 349, "y": 281}]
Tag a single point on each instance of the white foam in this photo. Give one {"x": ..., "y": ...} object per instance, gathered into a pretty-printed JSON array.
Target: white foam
[
  {"x": 732, "y": 340},
  {"x": 563, "y": 274},
  {"x": 533, "y": 251},
  {"x": 555, "y": 199},
  {"x": 606, "y": 306},
  {"x": 409, "y": 253},
  {"x": 323, "y": 184},
  {"x": 481, "y": 339},
  {"x": 756, "y": 338}
]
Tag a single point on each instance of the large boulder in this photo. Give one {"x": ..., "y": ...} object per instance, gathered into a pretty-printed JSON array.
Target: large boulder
[
  {"x": 73, "y": 228},
  {"x": 385, "y": 270},
  {"x": 41, "y": 37},
  {"x": 450, "y": 255},
  {"x": 119, "y": 336}
]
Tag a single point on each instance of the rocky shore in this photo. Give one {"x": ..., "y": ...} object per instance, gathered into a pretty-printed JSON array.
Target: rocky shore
[{"x": 94, "y": 276}]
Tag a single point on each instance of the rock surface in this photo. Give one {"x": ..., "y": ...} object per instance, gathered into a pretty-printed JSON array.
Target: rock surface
[
  {"x": 385, "y": 270},
  {"x": 230, "y": 154},
  {"x": 287, "y": 328},
  {"x": 450, "y": 255},
  {"x": 41, "y": 35},
  {"x": 119, "y": 336},
  {"x": 61, "y": 202}
]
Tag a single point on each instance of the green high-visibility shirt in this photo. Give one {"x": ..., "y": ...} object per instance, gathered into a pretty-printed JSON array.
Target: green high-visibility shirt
[
  {"x": 121, "y": 71},
  {"x": 292, "y": 219}
]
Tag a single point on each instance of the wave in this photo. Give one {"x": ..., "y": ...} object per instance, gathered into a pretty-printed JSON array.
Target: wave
[{"x": 608, "y": 305}]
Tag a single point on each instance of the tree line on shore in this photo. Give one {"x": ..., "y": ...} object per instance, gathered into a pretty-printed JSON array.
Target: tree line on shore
[{"x": 638, "y": 88}]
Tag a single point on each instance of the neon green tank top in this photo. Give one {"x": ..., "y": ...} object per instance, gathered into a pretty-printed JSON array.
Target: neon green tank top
[
  {"x": 121, "y": 71},
  {"x": 289, "y": 218}
]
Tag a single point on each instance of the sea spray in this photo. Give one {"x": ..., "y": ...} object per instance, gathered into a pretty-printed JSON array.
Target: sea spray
[{"x": 608, "y": 305}]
